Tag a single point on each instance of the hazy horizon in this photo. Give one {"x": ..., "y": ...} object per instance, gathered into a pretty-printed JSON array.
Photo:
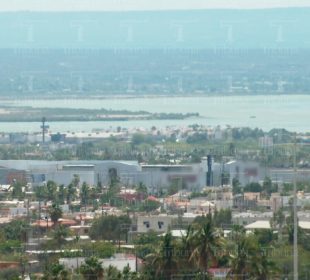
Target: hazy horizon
[{"x": 145, "y": 5}]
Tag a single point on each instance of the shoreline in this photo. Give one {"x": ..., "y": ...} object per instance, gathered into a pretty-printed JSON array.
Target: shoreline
[{"x": 150, "y": 96}]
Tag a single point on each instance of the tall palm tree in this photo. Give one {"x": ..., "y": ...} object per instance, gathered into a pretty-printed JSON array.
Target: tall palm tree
[
  {"x": 278, "y": 221},
  {"x": 184, "y": 247},
  {"x": 62, "y": 194},
  {"x": 263, "y": 267},
  {"x": 240, "y": 260},
  {"x": 163, "y": 261},
  {"x": 84, "y": 194},
  {"x": 206, "y": 241},
  {"x": 249, "y": 261},
  {"x": 71, "y": 193}
]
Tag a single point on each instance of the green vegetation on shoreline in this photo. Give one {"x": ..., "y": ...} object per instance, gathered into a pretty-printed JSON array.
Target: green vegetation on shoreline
[{"x": 30, "y": 114}]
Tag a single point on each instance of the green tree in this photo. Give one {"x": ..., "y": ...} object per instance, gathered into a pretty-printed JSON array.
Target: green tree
[
  {"x": 72, "y": 189},
  {"x": 163, "y": 262},
  {"x": 99, "y": 187},
  {"x": 222, "y": 217},
  {"x": 109, "y": 227},
  {"x": 84, "y": 195},
  {"x": 205, "y": 241},
  {"x": 185, "y": 247},
  {"x": 253, "y": 187},
  {"x": 138, "y": 139},
  {"x": 17, "y": 191},
  {"x": 55, "y": 213},
  {"x": 264, "y": 236},
  {"x": 52, "y": 191},
  {"x": 16, "y": 230},
  {"x": 60, "y": 233},
  {"x": 56, "y": 272},
  {"x": 92, "y": 269},
  {"x": 42, "y": 193},
  {"x": 85, "y": 151},
  {"x": 62, "y": 194},
  {"x": 10, "y": 274},
  {"x": 240, "y": 260},
  {"x": 76, "y": 181},
  {"x": 142, "y": 189},
  {"x": 99, "y": 249},
  {"x": 149, "y": 206},
  {"x": 268, "y": 187},
  {"x": 249, "y": 260},
  {"x": 278, "y": 221},
  {"x": 236, "y": 186},
  {"x": 112, "y": 273}
]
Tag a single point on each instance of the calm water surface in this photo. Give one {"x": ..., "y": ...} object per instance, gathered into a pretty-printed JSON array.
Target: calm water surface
[{"x": 284, "y": 111}]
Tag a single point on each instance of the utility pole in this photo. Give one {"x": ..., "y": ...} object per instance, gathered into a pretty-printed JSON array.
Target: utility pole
[
  {"x": 295, "y": 217},
  {"x": 43, "y": 129},
  {"x": 39, "y": 221}
]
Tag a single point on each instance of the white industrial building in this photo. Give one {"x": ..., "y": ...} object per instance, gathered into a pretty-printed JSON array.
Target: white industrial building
[
  {"x": 245, "y": 172},
  {"x": 193, "y": 177}
]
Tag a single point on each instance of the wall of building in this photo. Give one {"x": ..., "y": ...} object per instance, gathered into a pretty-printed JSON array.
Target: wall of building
[
  {"x": 153, "y": 223},
  {"x": 287, "y": 175},
  {"x": 246, "y": 172}
]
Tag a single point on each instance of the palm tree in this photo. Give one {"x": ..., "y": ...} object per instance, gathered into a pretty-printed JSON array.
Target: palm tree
[
  {"x": 58, "y": 272},
  {"x": 142, "y": 190},
  {"x": 277, "y": 221},
  {"x": 249, "y": 261},
  {"x": 76, "y": 180},
  {"x": 185, "y": 248},
  {"x": 62, "y": 194},
  {"x": 111, "y": 273},
  {"x": 263, "y": 267},
  {"x": 60, "y": 234},
  {"x": 55, "y": 213},
  {"x": 84, "y": 194},
  {"x": 162, "y": 261},
  {"x": 52, "y": 190},
  {"x": 71, "y": 193},
  {"x": 17, "y": 191},
  {"x": 92, "y": 269},
  {"x": 206, "y": 241},
  {"x": 240, "y": 260}
]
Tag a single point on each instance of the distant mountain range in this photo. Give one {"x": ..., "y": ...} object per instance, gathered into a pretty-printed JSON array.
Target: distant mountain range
[{"x": 243, "y": 29}]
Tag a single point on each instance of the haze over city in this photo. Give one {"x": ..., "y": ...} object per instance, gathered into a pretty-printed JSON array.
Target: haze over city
[
  {"x": 154, "y": 139},
  {"x": 125, "y": 5}
]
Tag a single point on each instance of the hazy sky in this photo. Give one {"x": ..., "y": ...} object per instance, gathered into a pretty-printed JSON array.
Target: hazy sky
[{"x": 120, "y": 5}]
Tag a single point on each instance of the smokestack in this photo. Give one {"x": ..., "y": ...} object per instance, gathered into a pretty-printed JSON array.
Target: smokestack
[{"x": 209, "y": 173}]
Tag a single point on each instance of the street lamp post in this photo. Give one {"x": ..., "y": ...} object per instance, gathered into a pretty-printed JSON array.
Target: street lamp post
[
  {"x": 295, "y": 218},
  {"x": 46, "y": 218},
  {"x": 295, "y": 237}
]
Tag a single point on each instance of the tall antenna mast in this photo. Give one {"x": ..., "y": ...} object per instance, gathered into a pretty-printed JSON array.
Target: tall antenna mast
[{"x": 44, "y": 128}]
